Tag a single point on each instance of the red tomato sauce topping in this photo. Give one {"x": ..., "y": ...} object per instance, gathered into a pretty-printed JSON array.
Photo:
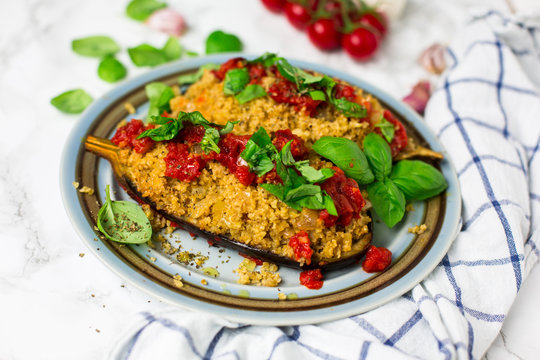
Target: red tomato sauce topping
[
  {"x": 284, "y": 91},
  {"x": 181, "y": 164},
  {"x": 346, "y": 196},
  {"x": 400, "y": 139},
  {"x": 231, "y": 146},
  {"x": 377, "y": 259},
  {"x": 312, "y": 279},
  {"x": 301, "y": 246},
  {"x": 298, "y": 149},
  {"x": 126, "y": 136}
]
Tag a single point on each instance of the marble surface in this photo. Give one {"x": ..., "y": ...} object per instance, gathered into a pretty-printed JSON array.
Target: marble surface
[{"x": 57, "y": 301}]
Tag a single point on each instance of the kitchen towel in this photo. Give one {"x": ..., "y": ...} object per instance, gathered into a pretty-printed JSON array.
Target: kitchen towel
[{"x": 486, "y": 112}]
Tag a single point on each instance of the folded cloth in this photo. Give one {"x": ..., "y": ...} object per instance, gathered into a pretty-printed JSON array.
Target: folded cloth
[{"x": 486, "y": 111}]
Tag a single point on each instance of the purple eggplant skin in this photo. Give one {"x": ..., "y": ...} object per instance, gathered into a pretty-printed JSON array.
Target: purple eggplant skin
[{"x": 227, "y": 242}]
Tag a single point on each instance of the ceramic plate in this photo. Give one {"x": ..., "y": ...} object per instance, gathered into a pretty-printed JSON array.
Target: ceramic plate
[{"x": 345, "y": 292}]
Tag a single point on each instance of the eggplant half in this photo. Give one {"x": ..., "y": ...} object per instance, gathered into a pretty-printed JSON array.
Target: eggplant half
[{"x": 358, "y": 246}]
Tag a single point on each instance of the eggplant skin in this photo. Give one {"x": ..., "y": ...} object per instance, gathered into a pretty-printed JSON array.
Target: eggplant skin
[{"x": 360, "y": 246}]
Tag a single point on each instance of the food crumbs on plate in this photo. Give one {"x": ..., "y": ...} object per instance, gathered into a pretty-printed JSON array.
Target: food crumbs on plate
[
  {"x": 86, "y": 190},
  {"x": 210, "y": 271},
  {"x": 292, "y": 296},
  {"x": 81, "y": 254},
  {"x": 243, "y": 293},
  {"x": 98, "y": 331},
  {"x": 267, "y": 276},
  {"x": 177, "y": 281},
  {"x": 152, "y": 259},
  {"x": 227, "y": 292},
  {"x": 418, "y": 229},
  {"x": 129, "y": 107},
  {"x": 121, "y": 123},
  {"x": 282, "y": 296},
  {"x": 75, "y": 184},
  {"x": 204, "y": 282},
  {"x": 92, "y": 295},
  {"x": 409, "y": 207}
]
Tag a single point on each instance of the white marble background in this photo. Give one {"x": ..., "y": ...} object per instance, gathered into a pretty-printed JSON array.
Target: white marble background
[{"x": 56, "y": 303}]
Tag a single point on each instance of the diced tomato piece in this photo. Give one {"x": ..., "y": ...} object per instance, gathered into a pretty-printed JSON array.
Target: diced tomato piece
[
  {"x": 234, "y": 63},
  {"x": 181, "y": 164},
  {"x": 312, "y": 279},
  {"x": 344, "y": 91},
  {"x": 126, "y": 136},
  {"x": 329, "y": 220},
  {"x": 301, "y": 246},
  {"x": 377, "y": 259},
  {"x": 256, "y": 73},
  {"x": 400, "y": 139},
  {"x": 284, "y": 91},
  {"x": 231, "y": 146},
  {"x": 298, "y": 148},
  {"x": 191, "y": 134}
]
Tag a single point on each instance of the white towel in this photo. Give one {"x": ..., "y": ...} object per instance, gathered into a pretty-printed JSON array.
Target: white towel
[{"x": 486, "y": 111}]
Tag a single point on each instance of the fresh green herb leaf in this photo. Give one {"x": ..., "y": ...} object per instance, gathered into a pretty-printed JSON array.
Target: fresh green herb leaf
[
  {"x": 219, "y": 41},
  {"x": 379, "y": 155},
  {"x": 267, "y": 59},
  {"x": 191, "y": 78},
  {"x": 302, "y": 191},
  {"x": 329, "y": 205},
  {"x": 263, "y": 165},
  {"x": 235, "y": 81},
  {"x": 295, "y": 74},
  {"x": 417, "y": 179},
  {"x": 276, "y": 190},
  {"x": 95, "y": 46},
  {"x": 140, "y": 10},
  {"x": 347, "y": 156},
  {"x": 387, "y": 200},
  {"x": 317, "y": 95},
  {"x": 311, "y": 174},
  {"x": 195, "y": 117},
  {"x": 387, "y": 129},
  {"x": 349, "y": 108},
  {"x": 209, "y": 140},
  {"x": 159, "y": 96},
  {"x": 72, "y": 101},
  {"x": 123, "y": 221},
  {"x": 261, "y": 137},
  {"x": 286, "y": 155},
  {"x": 166, "y": 131},
  {"x": 251, "y": 92},
  {"x": 111, "y": 70},
  {"x": 229, "y": 126},
  {"x": 172, "y": 49},
  {"x": 146, "y": 55},
  {"x": 192, "y": 53}
]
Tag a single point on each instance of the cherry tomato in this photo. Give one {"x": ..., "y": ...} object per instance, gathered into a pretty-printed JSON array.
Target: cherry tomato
[
  {"x": 298, "y": 16},
  {"x": 376, "y": 20},
  {"x": 361, "y": 43},
  {"x": 324, "y": 35},
  {"x": 276, "y": 6}
]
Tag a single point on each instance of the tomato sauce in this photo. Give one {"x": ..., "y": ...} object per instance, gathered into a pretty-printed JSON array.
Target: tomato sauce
[
  {"x": 181, "y": 164},
  {"x": 400, "y": 139},
  {"x": 284, "y": 91},
  {"x": 234, "y": 63},
  {"x": 301, "y": 246},
  {"x": 255, "y": 260},
  {"x": 298, "y": 149},
  {"x": 377, "y": 259},
  {"x": 126, "y": 136},
  {"x": 231, "y": 146},
  {"x": 312, "y": 279},
  {"x": 347, "y": 199}
]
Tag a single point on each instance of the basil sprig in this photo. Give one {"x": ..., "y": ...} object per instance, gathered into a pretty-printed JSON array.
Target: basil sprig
[
  {"x": 140, "y": 10},
  {"x": 95, "y": 46},
  {"x": 219, "y": 41},
  {"x": 148, "y": 55},
  {"x": 318, "y": 87},
  {"x": 388, "y": 188},
  {"x": 123, "y": 221},
  {"x": 159, "y": 96},
  {"x": 297, "y": 191},
  {"x": 236, "y": 83},
  {"x": 170, "y": 127},
  {"x": 72, "y": 101}
]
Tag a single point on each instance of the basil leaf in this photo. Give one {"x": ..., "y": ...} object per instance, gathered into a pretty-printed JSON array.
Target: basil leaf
[
  {"x": 172, "y": 49},
  {"x": 209, "y": 140},
  {"x": 191, "y": 78},
  {"x": 123, "y": 221},
  {"x": 95, "y": 46},
  {"x": 347, "y": 156},
  {"x": 235, "y": 81},
  {"x": 229, "y": 126},
  {"x": 251, "y": 92},
  {"x": 165, "y": 132},
  {"x": 219, "y": 41},
  {"x": 349, "y": 108},
  {"x": 259, "y": 152},
  {"x": 286, "y": 155},
  {"x": 159, "y": 96},
  {"x": 195, "y": 117},
  {"x": 317, "y": 95},
  {"x": 295, "y": 74},
  {"x": 329, "y": 205},
  {"x": 379, "y": 155},
  {"x": 387, "y": 200},
  {"x": 417, "y": 179},
  {"x": 160, "y": 120},
  {"x": 387, "y": 129},
  {"x": 146, "y": 55},
  {"x": 267, "y": 59},
  {"x": 276, "y": 190},
  {"x": 302, "y": 191},
  {"x": 264, "y": 165},
  {"x": 311, "y": 174},
  {"x": 261, "y": 137},
  {"x": 111, "y": 70},
  {"x": 72, "y": 101},
  {"x": 140, "y": 10}
]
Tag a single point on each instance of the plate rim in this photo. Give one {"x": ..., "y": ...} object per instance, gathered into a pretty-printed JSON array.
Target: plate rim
[{"x": 421, "y": 270}]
